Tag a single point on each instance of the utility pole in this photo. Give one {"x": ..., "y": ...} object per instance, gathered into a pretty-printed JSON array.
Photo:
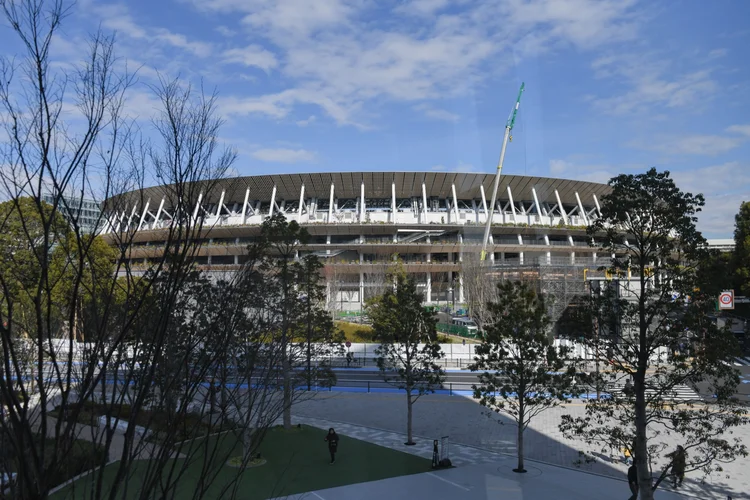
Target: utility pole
[{"x": 491, "y": 209}]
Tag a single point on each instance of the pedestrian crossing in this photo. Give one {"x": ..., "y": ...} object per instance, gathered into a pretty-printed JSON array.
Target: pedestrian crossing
[
  {"x": 679, "y": 393},
  {"x": 742, "y": 361}
]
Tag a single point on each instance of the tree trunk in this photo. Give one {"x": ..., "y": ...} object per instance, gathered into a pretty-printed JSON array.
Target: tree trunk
[
  {"x": 287, "y": 395},
  {"x": 641, "y": 422},
  {"x": 409, "y": 404},
  {"x": 247, "y": 442},
  {"x": 641, "y": 448},
  {"x": 519, "y": 444}
]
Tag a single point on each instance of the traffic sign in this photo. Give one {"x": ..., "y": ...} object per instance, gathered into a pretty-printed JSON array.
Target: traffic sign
[
  {"x": 348, "y": 344},
  {"x": 726, "y": 300}
]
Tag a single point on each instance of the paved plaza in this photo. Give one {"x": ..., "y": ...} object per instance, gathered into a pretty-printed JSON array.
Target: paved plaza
[
  {"x": 479, "y": 439},
  {"x": 494, "y": 481}
]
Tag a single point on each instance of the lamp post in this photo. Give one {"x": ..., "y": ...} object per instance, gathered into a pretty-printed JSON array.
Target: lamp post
[
  {"x": 596, "y": 328},
  {"x": 453, "y": 294}
]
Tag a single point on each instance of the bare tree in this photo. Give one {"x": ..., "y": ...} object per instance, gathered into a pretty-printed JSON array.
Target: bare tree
[
  {"x": 480, "y": 289},
  {"x": 72, "y": 405}
]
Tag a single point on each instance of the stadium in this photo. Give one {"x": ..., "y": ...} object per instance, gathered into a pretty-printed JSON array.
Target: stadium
[{"x": 360, "y": 222}]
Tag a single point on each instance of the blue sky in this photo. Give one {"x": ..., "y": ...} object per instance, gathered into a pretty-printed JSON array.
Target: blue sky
[{"x": 611, "y": 85}]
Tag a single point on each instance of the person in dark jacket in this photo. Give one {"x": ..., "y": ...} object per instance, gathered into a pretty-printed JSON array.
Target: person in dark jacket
[
  {"x": 333, "y": 444},
  {"x": 633, "y": 481},
  {"x": 678, "y": 457}
]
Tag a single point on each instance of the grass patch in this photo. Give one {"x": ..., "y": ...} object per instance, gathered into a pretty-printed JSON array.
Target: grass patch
[
  {"x": 295, "y": 463},
  {"x": 356, "y": 333},
  {"x": 71, "y": 460},
  {"x": 363, "y": 334},
  {"x": 159, "y": 422}
]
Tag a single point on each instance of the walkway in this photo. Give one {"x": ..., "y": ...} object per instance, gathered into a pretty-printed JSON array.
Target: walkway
[
  {"x": 486, "y": 482},
  {"x": 478, "y": 437}
]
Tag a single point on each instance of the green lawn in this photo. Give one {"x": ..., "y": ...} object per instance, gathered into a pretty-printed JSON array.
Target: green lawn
[{"x": 296, "y": 462}]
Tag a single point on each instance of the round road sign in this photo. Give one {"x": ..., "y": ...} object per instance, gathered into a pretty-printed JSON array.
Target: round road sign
[
  {"x": 725, "y": 298},
  {"x": 348, "y": 344}
]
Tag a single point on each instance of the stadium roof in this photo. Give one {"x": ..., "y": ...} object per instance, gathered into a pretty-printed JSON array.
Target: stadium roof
[{"x": 379, "y": 185}]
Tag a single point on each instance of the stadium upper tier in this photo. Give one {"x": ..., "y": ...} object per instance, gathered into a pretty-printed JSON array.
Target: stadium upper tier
[{"x": 364, "y": 198}]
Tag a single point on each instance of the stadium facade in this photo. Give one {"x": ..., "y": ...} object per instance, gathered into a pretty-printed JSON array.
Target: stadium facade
[{"x": 359, "y": 222}]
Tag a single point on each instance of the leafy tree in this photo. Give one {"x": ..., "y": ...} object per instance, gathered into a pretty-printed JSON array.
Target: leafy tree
[
  {"x": 409, "y": 350},
  {"x": 522, "y": 372},
  {"x": 289, "y": 281},
  {"x": 742, "y": 247},
  {"x": 648, "y": 223},
  {"x": 315, "y": 327}
]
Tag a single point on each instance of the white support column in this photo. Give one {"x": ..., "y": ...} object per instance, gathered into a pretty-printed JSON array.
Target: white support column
[
  {"x": 429, "y": 287},
  {"x": 330, "y": 206},
  {"x": 596, "y": 203},
  {"x": 362, "y": 207},
  {"x": 512, "y": 205},
  {"x": 244, "y": 206},
  {"x": 328, "y": 242},
  {"x": 110, "y": 226},
  {"x": 460, "y": 247},
  {"x": 536, "y": 203},
  {"x": 273, "y": 201},
  {"x": 119, "y": 223},
  {"x": 197, "y": 206},
  {"x": 562, "y": 210},
  {"x": 301, "y": 202},
  {"x": 143, "y": 215},
  {"x": 424, "y": 204},
  {"x": 580, "y": 208},
  {"x": 361, "y": 288},
  {"x": 573, "y": 257},
  {"x": 455, "y": 201},
  {"x": 484, "y": 202},
  {"x": 394, "y": 209},
  {"x": 221, "y": 203},
  {"x": 461, "y": 288},
  {"x": 132, "y": 213},
  {"x": 158, "y": 214},
  {"x": 452, "y": 297}
]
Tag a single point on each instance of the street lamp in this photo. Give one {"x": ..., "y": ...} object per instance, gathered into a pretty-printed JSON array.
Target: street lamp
[
  {"x": 594, "y": 287},
  {"x": 452, "y": 289}
]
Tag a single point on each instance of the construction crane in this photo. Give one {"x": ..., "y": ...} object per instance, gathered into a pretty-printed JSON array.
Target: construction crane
[{"x": 491, "y": 210}]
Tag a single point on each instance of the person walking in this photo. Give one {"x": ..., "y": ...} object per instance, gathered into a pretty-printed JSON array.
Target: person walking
[
  {"x": 333, "y": 444},
  {"x": 633, "y": 481},
  {"x": 678, "y": 457}
]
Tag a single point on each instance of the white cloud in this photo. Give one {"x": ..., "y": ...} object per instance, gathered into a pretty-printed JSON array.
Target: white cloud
[
  {"x": 252, "y": 55},
  {"x": 436, "y": 113},
  {"x": 282, "y": 155},
  {"x": 225, "y": 31},
  {"x": 740, "y": 129},
  {"x": 688, "y": 144},
  {"x": 117, "y": 17},
  {"x": 565, "y": 169},
  {"x": 724, "y": 186},
  {"x": 307, "y": 121},
  {"x": 696, "y": 144},
  {"x": 337, "y": 57},
  {"x": 422, "y": 7},
  {"x": 651, "y": 80}
]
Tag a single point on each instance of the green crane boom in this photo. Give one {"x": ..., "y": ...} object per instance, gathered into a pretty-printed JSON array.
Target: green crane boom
[{"x": 491, "y": 209}]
